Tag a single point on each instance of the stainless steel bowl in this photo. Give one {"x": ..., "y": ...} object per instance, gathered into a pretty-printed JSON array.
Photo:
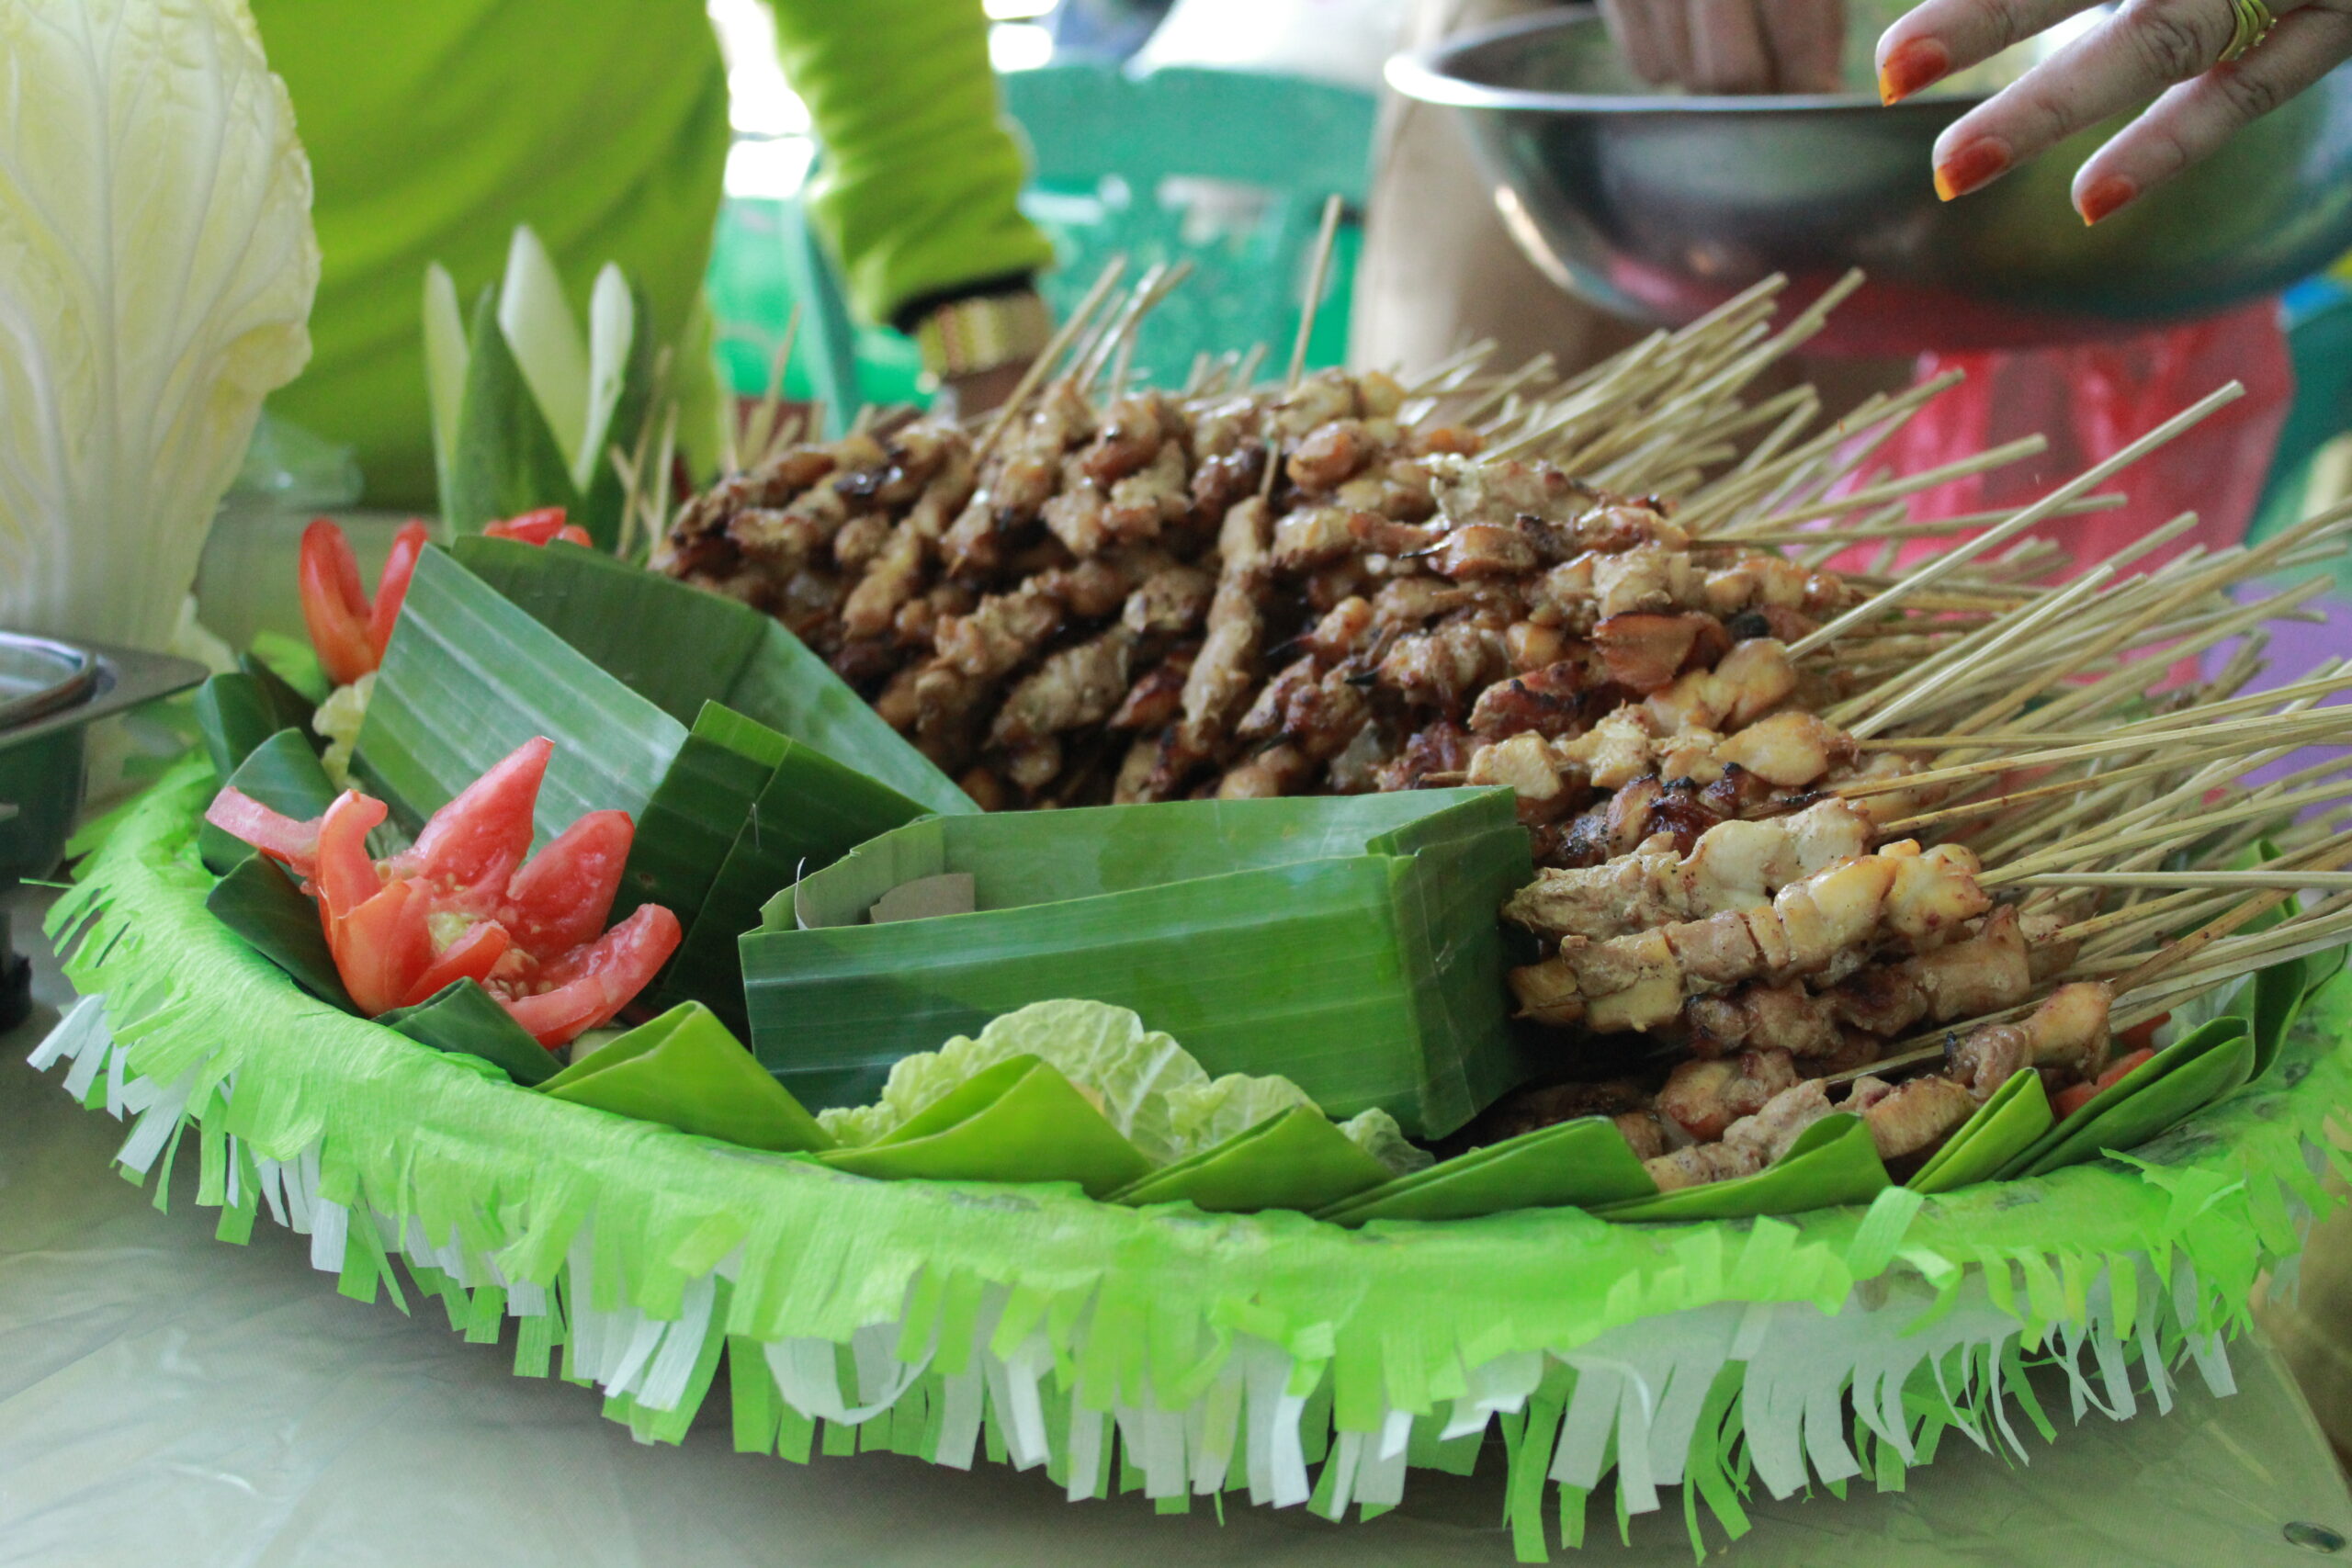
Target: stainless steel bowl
[{"x": 1660, "y": 206}]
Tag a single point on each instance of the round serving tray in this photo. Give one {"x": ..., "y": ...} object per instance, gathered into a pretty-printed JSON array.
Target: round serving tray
[{"x": 1163, "y": 1350}]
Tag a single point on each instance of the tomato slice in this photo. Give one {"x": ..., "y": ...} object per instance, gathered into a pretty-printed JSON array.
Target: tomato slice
[
  {"x": 561, "y": 898},
  {"x": 589, "y": 985},
  {"x": 464, "y": 903},
  {"x": 335, "y": 605},
  {"x": 542, "y": 526},
  {"x": 292, "y": 844},
  {"x": 471, "y": 957},
  {"x": 477, "y": 840},
  {"x": 2074, "y": 1097},
  {"x": 391, "y": 588}
]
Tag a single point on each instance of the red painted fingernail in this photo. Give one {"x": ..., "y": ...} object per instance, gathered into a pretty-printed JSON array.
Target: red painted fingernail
[
  {"x": 1918, "y": 64},
  {"x": 2108, "y": 195},
  {"x": 1974, "y": 164}
]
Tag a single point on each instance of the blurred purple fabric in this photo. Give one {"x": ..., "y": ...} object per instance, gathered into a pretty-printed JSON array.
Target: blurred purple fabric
[{"x": 2295, "y": 647}]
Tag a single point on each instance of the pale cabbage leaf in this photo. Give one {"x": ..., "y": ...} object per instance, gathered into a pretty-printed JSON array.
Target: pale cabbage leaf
[
  {"x": 157, "y": 271},
  {"x": 1150, "y": 1087}
]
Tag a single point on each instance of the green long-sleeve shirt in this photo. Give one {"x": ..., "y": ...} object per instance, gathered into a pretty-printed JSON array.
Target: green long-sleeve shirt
[{"x": 434, "y": 126}]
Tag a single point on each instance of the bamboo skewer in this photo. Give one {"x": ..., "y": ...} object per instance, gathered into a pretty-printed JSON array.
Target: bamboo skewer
[{"x": 1943, "y": 565}]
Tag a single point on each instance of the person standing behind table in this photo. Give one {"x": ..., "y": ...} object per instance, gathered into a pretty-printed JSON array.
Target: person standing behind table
[
  {"x": 434, "y": 127},
  {"x": 1439, "y": 269}
]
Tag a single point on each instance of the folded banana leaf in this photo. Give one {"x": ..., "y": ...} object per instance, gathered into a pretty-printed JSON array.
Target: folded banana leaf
[
  {"x": 506, "y": 459},
  {"x": 810, "y": 812},
  {"x": 1020, "y": 1121},
  {"x": 1296, "y": 1160},
  {"x": 468, "y": 677},
  {"x": 293, "y": 705},
  {"x": 684, "y": 1070},
  {"x": 1581, "y": 1164},
  {"x": 1832, "y": 1162},
  {"x": 689, "y": 824},
  {"x": 1349, "y": 944},
  {"x": 2161, "y": 1092},
  {"x": 466, "y": 1020},
  {"x": 291, "y": 661},
  {"x": 283, "y": 774},
  {"x": 2005, "y": 1126},
  {"x": 262, "y": 904},
  {"x": 237, "y": 711},
  {"x": 680, "y": 646}
]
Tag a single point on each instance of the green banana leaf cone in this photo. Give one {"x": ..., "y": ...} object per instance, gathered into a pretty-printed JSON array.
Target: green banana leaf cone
[
  {"x": 466, "y": 1020},
  {"x": 1296, "y": 1160},
  {"x": 1832, "y": 1162},
  {"x": 1018, "y": 1120},
  {"x": 2005, "y": 1126},
  {"x": 263, "y": 905},
  {"x": 684, "y": 1070},
  {"x": 2161, "y": 1092},
  {"x": 1585, "y": 1163}
]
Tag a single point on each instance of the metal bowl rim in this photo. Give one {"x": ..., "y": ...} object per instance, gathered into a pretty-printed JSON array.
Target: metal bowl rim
[
  {"x": 1425, "y": 74},
  {"x": 74, "y": 686}
]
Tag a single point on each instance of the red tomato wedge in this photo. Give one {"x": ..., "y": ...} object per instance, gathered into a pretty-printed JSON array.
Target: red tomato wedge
[
  {"x": 538, "y": 527},
  {"x": 2074, "y": 1097},
  {"x": 468, "y": 900},
  {"x": 348, "y": 630}
]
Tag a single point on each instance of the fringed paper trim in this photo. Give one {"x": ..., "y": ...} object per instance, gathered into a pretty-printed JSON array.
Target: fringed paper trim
[{"x": 1178, "y": 1358}]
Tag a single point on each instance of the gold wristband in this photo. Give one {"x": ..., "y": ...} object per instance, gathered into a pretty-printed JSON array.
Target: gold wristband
[{"x": 983, "y": 333}]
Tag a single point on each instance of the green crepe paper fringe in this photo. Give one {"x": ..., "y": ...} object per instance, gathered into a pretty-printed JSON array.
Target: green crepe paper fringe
[{"x": 1174, "y": 1354}]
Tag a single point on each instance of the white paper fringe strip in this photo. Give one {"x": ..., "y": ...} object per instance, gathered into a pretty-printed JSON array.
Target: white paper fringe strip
[{"x": 1635, "y": 1411}]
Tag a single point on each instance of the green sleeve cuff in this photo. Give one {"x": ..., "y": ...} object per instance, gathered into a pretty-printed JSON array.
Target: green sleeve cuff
[{"x": 921, "y": 175}]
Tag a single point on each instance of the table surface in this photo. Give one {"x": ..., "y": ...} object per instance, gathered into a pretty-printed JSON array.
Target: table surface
[{"x": 165, "y": 1398}]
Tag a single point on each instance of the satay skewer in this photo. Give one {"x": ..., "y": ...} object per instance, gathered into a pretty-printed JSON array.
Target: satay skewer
[{"x": 2088, "y": 480}]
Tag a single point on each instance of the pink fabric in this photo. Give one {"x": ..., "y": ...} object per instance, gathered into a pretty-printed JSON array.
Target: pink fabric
[{"x": 2091, "y": 400}]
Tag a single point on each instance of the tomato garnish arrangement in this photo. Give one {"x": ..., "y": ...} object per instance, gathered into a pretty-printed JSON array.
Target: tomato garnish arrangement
[{"x": 469, "y": 902}]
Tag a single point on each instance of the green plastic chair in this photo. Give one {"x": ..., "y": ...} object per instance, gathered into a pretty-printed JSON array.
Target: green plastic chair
[{"x": 1228, "y": 170}]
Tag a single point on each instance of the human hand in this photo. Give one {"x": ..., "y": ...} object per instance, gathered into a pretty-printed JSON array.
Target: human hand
[
  {"x": 2147, "y": 47},
  {"x": 1732, "y": 46}
]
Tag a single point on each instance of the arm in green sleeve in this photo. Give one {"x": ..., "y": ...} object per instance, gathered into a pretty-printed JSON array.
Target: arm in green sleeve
[{"x": 921, "y": 174}]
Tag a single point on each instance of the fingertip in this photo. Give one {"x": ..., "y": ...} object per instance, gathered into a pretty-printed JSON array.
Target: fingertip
[
  {"x": 1911, "y": 66},
  {"x": 2105, "y": 196}
]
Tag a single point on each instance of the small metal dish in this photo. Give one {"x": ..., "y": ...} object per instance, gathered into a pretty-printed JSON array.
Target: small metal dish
[{"x": 49, "y": 692}]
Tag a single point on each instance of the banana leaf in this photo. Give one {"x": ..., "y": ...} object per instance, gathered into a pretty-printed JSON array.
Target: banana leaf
[
  {"x": 811, "y": 812},
  {"x": 2005, "y": 1126},
  {"x": 1832, "y": 1162},
  {"x": 1579, "y": 1163},
  {"x": 291, "y": 661},
  {"x": 1020, "y": 1121},
  {"x": 689, "y": 827},
  {"x": 684, "y": 1070},
  {"x": 235, "y": 713},
  {"x": 283, "y": 774},
  {"x": 2167, "y": 1088},
  {"x": 466, "y": 1020},
  {"x": 293, "y": 706},
  {"x": 680, "y": 646},
  {"x": 1349, "y": 944},
  {"x": 468, "y": 677},
  {"x": 262, "y": 904},
  {"x": 506, "y": 460},
  {"x": 1295, "y": 1159}
]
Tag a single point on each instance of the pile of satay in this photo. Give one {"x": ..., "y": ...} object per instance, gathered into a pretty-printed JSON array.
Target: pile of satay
[{"x": 1866, "y": 840}]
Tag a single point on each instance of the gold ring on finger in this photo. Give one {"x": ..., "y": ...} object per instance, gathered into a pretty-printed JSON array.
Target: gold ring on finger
[{"x": 2252, "y": 23}]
